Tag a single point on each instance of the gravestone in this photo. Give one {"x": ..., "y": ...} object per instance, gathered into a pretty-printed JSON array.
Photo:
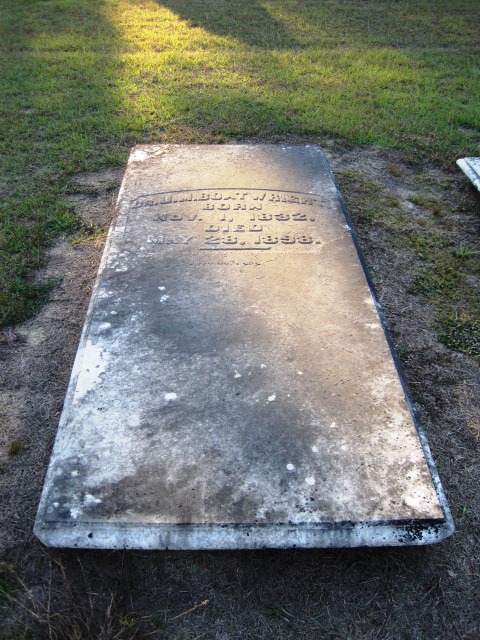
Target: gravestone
[{"x": 234, "y": 386}]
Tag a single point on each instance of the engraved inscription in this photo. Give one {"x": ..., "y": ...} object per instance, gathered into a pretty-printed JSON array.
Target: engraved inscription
[
  {"x": 225, "y": 195},
  {"x": 234, "y": 220},
  {"x": 162, "y": 239}
]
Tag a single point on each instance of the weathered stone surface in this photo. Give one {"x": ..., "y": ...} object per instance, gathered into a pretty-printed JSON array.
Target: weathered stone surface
[
  {"x": 234, "y": 387},
  {"x": 471, "y": 168}
]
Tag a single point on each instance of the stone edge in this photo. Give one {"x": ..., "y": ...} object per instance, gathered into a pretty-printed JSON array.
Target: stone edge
[
  {"x": 448, "y": 519},
  {"x": 232, "y": 536},
  {"x": 470, "y": 171}
]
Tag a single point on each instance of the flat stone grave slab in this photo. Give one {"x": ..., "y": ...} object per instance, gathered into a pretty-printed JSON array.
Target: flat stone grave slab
[{"x": 234, "y": 386}]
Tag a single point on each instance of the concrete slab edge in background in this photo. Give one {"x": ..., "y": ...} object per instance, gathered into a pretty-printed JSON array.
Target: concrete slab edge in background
[{"x": 471, "y": 168}]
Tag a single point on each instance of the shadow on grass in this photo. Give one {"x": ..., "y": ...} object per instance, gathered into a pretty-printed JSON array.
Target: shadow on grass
[
  {"x": 248, "y": 21},
  {"x": 58, "y": 102},
  {"x": 374, "y": 23}
]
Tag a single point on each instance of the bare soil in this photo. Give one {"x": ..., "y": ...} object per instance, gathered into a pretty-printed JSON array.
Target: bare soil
[{"x": 407, "y": 593}]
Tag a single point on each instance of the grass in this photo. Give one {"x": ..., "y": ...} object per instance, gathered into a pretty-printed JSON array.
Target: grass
[
  {"x": 443, "y": 269},
  {"x": 83, "y": 80}
]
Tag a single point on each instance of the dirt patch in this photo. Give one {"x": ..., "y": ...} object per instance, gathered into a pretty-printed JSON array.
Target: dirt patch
[
  {"x": 36, "y": 358},
  {"x": 363, "y": 593}
]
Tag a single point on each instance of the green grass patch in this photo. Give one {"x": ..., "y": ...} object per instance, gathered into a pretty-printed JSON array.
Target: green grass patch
[
  {"x": 461, "y": 333},
  {"x": 445, "y": 277},
  {"x": 443, "y": 270},
  {"x": 427, "y": 202},
  {"x": 367, "y": 200},
  {"x": 83, "y": 80}
]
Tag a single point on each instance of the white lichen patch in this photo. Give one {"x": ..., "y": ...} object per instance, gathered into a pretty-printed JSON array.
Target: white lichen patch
[
  {"x": 171, "y": 395},
  {"x": 164, "y": 298},
  {"x": 290, "y": 466},
  {"x": 94, "y": 364},
  {"x": 237, "y": 375},
  {"x": 104, "y": 295},
  {"x": 272, "y": 397},
  {"x": 310, "y": 480},
  {"x": 300, "y": 373},
  {"x": 104, "y": 326},
  {"x": 162, "y": 288},
  {"x": 90, "y": 501},
  {"x": 75, "y": 512},
  {"x": 315, "y": 449},
  {"x": 138, "y": 155}
]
